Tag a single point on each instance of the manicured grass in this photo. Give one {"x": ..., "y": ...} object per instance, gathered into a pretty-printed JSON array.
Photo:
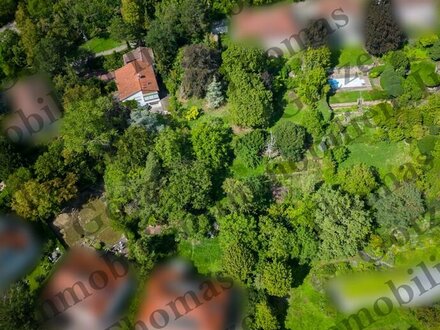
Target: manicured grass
[
  {"x": 354, "y": 56},
  {"x": 353, "y": 96},
  {"x": 97, "y": 45},
  {"x": 293, "y": 113},
  {"x": 206, "y": 255},
  {"x": 383, "y": 155}
]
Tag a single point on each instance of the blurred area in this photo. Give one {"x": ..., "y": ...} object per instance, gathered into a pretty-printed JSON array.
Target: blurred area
[
  {"x": 19, "y": 250},
  {"x": 32, "y": 111},
  {"x": 417, "y": 285},
  {"x": 287, "y": 28},
  {"x": 177, "y": 298},
  {"x": 88, "y": 290}
]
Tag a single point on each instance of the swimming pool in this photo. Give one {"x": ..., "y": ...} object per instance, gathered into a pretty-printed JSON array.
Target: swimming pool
[{"x": 351, "y": 82}]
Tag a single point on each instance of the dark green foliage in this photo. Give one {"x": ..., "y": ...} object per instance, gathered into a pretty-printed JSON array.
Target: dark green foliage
[
  {"x": 17, "y": 308},
  {"x": 175, "y": 24},
  {"x": 200, "y": 63},
  {"x": 248, "y": 196},
  {"x": 399, "y": 61},
  {"x": 392, "y": 82},
  {"x": 340, "y": 154},
  {"x": 434, "y": 51},
  {"x": 7, "y": 10},
  {"x": 12, "y": 56},
  {"x": 249, "y": 147},
  {"x": 290, "y": 140},
  {"x": 382, "y": 32},
  {"x": 318, "y": 33},
  {"x": 400, "y": 208},
  {"x": 113, "y": 62},
  {"x": 9, "y": 160}
]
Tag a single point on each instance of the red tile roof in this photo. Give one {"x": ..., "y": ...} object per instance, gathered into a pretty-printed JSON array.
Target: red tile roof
[{"x": 137, "y": 74}]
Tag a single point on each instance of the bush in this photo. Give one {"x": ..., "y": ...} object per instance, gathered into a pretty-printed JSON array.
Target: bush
[
  {"x": 399, "y": 61},
  {"x": 434, "y": 51},
  {"x": 428, "y": 40},
  {"x": 391, "y": 81},
  {"x": 376, "y": 71},
  {"x": 426, "y": 72},
  {"x": 290, "y": 140},
  {"x": 193, "y": 113},
  {"x": 250, "y": 146}
]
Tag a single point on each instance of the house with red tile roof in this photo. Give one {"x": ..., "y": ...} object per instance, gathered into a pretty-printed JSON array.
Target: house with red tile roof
[{"x": 136, "y": 80}]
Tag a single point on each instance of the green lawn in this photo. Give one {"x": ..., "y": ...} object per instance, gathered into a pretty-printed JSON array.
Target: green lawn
[
  {"x": 383, "y": 155},
  {"x": 206, "y": 255},
  {"x": 353, "y": 96},
  {"x": 353, "y": 56},
  {"x": 97, "y": 45}
]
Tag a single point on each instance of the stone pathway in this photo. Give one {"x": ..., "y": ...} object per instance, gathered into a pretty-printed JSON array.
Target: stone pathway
[{"x": 111, "y": 51}]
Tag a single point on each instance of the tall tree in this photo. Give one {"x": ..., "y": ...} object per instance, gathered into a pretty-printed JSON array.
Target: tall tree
[
  {"x": 343, "y": 222},
  {"x": 200, "y": 63},
  {"x": 214, "y": 94},
  {"x": 382, "y": 32},
  {"x": 211, "y": 142}
]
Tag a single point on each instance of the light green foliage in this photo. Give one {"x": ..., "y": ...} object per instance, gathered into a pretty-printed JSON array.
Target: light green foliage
[
  {"x": 35, "y": 201},
  {"x": 211, "y": 142},
  {"x": 276, "y": 278},
  {"x": 86, "y": 126},
  {"x": 193, "y": 113},
  {"x": 265, "y": 317},
  {"x": 312, "y": 83},
  {"x": 188, "y": 188},
  {"x": 170, "y": 146},
  {"x": 343, "y": 222},
  {"x": 239, "y": 262},
  {"x": 236, "y": 228},
  {"x": 358, "y": 180},
  {"x": 313, "y": 121},
  {"x": 250, "y": 101}
]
